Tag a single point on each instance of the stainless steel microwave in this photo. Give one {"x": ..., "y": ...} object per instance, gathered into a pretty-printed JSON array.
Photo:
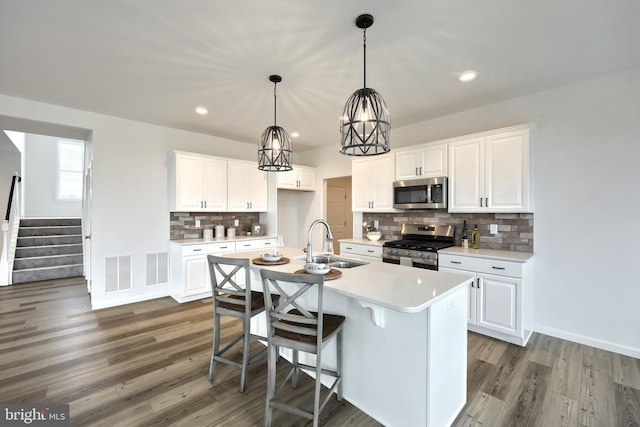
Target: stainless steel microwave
[{"x": 423, "y": 193}]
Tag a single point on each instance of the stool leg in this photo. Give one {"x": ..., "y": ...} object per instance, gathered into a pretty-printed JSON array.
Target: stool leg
[
  {"x": 339, "y": 363},
  {"x": 294, "y": 377},
  {"x": 245, "y": 352},
  {"x": 271, "y": 384},
  {"x": 316, "y": 388},
  {"x": 216, "y": 346}
]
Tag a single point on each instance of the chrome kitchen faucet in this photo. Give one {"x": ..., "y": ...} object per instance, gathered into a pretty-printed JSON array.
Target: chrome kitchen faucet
[{"x": 313, "y": 224}]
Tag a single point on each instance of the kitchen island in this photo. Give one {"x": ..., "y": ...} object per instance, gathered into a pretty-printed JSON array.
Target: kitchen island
[{"x": 405, "y": 338}]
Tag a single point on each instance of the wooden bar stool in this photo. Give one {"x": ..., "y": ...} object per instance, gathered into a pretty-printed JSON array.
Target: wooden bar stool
[
  {"x": 232, "y": 296},
  {"x": 291, "y": 325}
]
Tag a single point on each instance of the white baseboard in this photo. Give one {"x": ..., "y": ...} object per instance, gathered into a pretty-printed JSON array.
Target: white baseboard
[
  {"x": 593, "y": 342},
  {"x": 106, "y": 303}
]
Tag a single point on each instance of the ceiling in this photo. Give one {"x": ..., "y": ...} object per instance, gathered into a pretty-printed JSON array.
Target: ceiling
[{"x": 156, "y": 60}]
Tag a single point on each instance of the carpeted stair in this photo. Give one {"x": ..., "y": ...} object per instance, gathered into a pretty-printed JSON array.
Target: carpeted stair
[{"x": 48, "y": 248}]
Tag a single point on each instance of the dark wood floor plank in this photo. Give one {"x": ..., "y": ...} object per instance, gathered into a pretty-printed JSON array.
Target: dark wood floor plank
[
  {"x": 557, "y": 410},
  {"x": 627, "y": 405},
  {"x": 528, "y": 391},
  {"x": 566, "y": 376},
  {"x": 597, "y": 392}
]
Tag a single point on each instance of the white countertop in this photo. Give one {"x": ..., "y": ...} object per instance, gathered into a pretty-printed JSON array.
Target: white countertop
[
  {"x": 489, "y": 253},
  {"x": 218, "y": 240},
  {"x": 397, "y": 287},
  {"x": 363, "y": 241}
]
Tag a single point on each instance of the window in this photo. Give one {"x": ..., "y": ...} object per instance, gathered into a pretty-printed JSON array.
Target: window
[{"x": 70, "y": 165}]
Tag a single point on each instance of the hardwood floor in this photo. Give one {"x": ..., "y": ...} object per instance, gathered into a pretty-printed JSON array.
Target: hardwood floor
[{"x": 147, "y": 364}]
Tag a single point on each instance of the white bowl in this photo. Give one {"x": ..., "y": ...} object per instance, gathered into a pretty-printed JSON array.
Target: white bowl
[
  {"x": 272, "y": 257},
  {"x": 315, "y": 268},
  {"x": 374, "y": 235}
]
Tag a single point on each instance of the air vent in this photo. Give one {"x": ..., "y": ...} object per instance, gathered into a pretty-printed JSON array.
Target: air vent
[
  {"x": 157, "y": 268},
  {"x": 118, "y": 273}
]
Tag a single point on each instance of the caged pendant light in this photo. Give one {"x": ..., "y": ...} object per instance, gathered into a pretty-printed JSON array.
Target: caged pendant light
[
  {"x": 365, "y": 124},
  {"x": 274, "y": 153}
]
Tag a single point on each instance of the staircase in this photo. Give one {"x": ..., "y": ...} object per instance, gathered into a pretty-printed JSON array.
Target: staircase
[{"x": 48, "y": 248}]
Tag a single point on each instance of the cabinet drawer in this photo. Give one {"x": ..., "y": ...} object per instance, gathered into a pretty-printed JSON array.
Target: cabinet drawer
[
  {"x": 481, "y": 265},
  {"x": 250, "y": 245},
  {"x": 208, "y": 248},
  {"x": 356, "y": 249}
]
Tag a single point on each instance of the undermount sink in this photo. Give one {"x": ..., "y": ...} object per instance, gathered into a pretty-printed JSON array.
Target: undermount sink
[{"x": 334, "y": 261}]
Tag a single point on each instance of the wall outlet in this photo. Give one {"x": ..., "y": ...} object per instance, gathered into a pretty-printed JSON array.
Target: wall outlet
[
  {"x": 376, "y": 224},
  {"x": 197, "y": 223},
  {"x": 493, "y": 228},
  {"x": 236, "y": 222}
]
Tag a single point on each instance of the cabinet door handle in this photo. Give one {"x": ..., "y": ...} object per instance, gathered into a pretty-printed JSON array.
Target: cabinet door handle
[
  {"x": 223, "y": 247},
  {"x": 480, "y": 201},
  {"x": 472, "y": 284},
  {"x": 197, "y": 250},
  {"x": 370, "y": 251},
  {"x": 420, "y": 170},
  {"x": 417, "y": 171},
  {"x": 456, "y": 262},
  {"x": 205, "y": 203},
  {"x": 486, "y": 202},
  {"x": 497, "y": 268},
  {"x": 478, "y": 283},
  {"x": 267, "y": 243},
  {"x": 348, "y": 247},
  {"x": 246, "y": 245}
]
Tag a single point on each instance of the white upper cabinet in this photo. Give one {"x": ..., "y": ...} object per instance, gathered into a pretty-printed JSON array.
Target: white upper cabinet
[
  {"x": 302, "y": 178},
  {"x": 372, "y": 183},
  {"x": 197, "y": 183},
  {"x": 427, "y": 162},
  {"x": 247, "y": 187},
  {"x": 490, "y": 173}
]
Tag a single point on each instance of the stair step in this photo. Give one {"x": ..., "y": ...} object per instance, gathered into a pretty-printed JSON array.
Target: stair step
[
  {"x": 49, "y": 230},
  {"x": 46, "y": 261},
  {"x": 49, "y": 240},
  {"x": 47, "y": 273},
  {"x": 44, "y": 222},
  {"x": 35, "y": 251}
]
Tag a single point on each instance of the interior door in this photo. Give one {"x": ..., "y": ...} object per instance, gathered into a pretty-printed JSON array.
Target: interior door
[
  {"x": 338, "y": 209},
  {"x": 87, "y": 200}
]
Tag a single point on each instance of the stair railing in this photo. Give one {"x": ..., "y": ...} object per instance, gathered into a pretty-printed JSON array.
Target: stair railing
[{"x": 9, "y": 232}]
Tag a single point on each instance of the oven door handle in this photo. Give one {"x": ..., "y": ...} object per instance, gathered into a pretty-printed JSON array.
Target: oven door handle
[{"x": 429, "y": 194}]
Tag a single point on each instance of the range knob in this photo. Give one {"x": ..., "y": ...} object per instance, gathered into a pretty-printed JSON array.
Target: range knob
[
  {"x": 421, "y": 255},
  {"x": 407, "y": 252}
]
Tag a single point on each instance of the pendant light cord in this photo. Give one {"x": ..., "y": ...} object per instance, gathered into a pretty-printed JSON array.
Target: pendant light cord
[
  {"x": 364, "y": 48},
  {"x": 274, "y": 104}
]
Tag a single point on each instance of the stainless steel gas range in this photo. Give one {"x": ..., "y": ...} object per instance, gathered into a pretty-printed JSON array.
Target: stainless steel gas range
[{"x": 419, "y": 245}]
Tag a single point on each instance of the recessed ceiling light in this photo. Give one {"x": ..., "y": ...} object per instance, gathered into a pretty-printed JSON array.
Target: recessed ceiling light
[
  {"x": 467, "y": 76},
  {"x": 202, "y": 111},
  {"x": 294, "y": 134}
]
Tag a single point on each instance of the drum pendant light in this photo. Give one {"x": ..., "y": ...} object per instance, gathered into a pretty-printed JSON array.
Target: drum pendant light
[
  {"x": 274, "y": 153},
  {"x": 365, "y": 124}
]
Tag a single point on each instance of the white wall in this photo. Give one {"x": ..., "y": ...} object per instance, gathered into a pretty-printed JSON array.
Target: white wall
[
  {"x": 9, "y": 165},
  {"x": 40, "y": 180},
  {"x": 587, "y": 173}
]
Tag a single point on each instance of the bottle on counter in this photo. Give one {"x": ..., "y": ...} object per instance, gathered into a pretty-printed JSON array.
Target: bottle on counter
[
  {"x": 465, "y": 236},
  {"x": 475, "y": 237}
]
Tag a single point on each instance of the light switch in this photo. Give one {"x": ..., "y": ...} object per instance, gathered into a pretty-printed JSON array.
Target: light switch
[
  {"x": 493, "y": 228},
  {"x": 197, "y": 223},
  {"x": 236, "y": 222}
]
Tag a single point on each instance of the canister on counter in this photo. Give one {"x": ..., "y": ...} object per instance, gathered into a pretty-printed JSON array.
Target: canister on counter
[
  {"x": 231, "y": 232},
  {"x": 219, "y": 231}
]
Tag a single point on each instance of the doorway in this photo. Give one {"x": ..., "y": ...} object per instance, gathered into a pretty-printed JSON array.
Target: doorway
[{"x": 338, "y": 209}]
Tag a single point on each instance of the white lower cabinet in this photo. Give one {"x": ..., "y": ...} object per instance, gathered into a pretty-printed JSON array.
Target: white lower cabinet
[
  {"x": 361, "y": 251},
  {"x": 189, "y": 269},
  {"x": 499, "y": 297},
  {"x": 255, "y": 244}
]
